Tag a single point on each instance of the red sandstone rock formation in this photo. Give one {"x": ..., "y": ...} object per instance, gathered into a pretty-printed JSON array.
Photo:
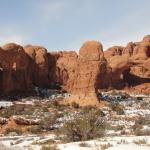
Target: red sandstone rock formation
[
  {"x": 114, "y": 51},
  {"x": 127, "y": 67},
  {"x": 90, "y": 74},
  {"x": 39, "y": 65},
  {"x": 146, "y": 38},
  {"x": 61, "y": 66},
  {"x": 23, "y": 68},
  {"x": 128, "y": 50},
  {"x": 15, "y": 66}
]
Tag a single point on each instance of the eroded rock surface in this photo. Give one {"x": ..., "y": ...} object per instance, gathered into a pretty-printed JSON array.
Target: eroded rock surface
[
  {"x": 23, "y": 68},
  {"x": 130, "y": 66},
  {"x": 39, "y": 64},
  {"x": 61, "y": 66},
  {"x": 90, "y": 74},
  {"x": 14, "y": 69}
]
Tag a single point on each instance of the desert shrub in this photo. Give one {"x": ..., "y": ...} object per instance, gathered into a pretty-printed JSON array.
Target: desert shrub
[
  {"x": 114, "y": 127},
  {"x": 84, "y": 144},
  {"x": 47, "y": 123},
  {"x": 92, "y": 109},
  {"x": 118, "y": 108},
  {"x": 10, "y": 130},
  {"x": 124, "y": 95},
  {"x": 74, "y": 105},
  {"x": 86, "y": 127},
  {"x": 17, "y": 110},
  {"x": 141, "y": 142},
  {"x": 34, "y": 130},
  {"x": 139, "y": 98},
  {"x": 45, "y": 109},
  {"x": 56, "y": 105},
  {"x": 105, "y": 146},
  {"x": 119, "y": 127},
  {"x": 143, "y": 120},
  {"x": 137, "y": 128},
  {"x": 12, "y": 110},
  {"x": 122, "y": 141},
  {"x": 123, "y": 132},
  {"x": 29, "y": 110},
  {"x": 138, "y": 125},
  {"x": 49, "y": 147},
  {"x": 140, "y": 132},
  {"x": 53, "y": 104},
  {"x": 145, "y": 105},
  {"x": 87, "y": 109}
]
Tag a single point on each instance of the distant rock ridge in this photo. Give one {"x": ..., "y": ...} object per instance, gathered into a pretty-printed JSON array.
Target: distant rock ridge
[{"x": 82, "y": 75}]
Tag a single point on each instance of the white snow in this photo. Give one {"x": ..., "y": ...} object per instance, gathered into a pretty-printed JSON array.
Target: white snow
[
  {"x": 5, "y": 104},
  {"x": 129, "y": 146},
  {"x": 118, "y": 143},
  {"x": 132, "y": 109}
]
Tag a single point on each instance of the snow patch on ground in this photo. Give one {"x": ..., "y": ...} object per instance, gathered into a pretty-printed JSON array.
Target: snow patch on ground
[
  {"x": 129, "y": 146},
  {"x": 117, "y": 143},
  {"x": 5, "y": 104}
]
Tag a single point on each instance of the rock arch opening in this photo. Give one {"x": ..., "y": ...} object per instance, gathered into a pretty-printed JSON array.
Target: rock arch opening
[{"x": 133, "y": 79}]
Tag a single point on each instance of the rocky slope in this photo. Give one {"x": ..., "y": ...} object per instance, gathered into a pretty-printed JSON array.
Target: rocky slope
[{"x": 83, "y": 74}]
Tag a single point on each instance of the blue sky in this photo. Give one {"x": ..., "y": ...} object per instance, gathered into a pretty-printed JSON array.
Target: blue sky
[{"x": 66, "y": 24}]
